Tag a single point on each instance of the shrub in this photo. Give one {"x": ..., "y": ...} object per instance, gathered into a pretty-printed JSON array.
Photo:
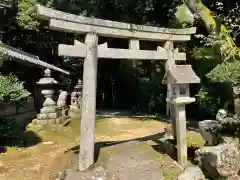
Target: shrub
[
  {"x": 12, "y": 91},
  {"x": 6, "y": 127}
]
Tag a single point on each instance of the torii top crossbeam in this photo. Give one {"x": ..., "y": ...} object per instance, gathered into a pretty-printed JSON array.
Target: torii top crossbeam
[{"x": 79, "y": 24}]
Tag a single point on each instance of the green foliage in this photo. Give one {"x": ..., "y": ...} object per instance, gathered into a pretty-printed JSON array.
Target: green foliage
[
  {"x": 6, "y": 127},
  {"x": 184, "y": 15},
  {"x": 12, "y": 91},
  {"x": 25, "y": 17},
  {"x": 141, "y": 82},
  {"x": 208, "y": 102},
  {"x": 6, "y": 4},
  {"x": 3, "y": 55},
  {"x": 226, "y": 72}
]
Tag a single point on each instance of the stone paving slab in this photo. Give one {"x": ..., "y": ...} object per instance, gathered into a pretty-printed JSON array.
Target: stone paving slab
[{"x": 125, "y": 161}]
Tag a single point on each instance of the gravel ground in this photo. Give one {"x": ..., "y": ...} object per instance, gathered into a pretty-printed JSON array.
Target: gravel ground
[{"x": 126, "y": 161}]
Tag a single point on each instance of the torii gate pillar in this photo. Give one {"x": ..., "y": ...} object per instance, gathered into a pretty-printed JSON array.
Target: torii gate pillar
[{"x": 88, "y": 119}]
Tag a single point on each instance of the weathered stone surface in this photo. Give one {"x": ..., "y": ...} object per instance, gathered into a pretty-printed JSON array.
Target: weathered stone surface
[
  {"x": 88, "y": 118},
  {"x": 48, "y": 109},
  {"x": 41, "y": 116},
  {"x": 220, "y": 130},
  {"x": 112, "y": 53},
  {"x": 192, "y": 173},
  {"x": 218, "y": 160},
  {"x": 74, "y": 108},
  {"x": 125, "y": 161},
  {"x": 62, "y": 99},
  {"x": 207, "y": 128},
  {"x": 221, "y": 114},
  {"x": 230, "y": 140},
  {"x": 237, "y": 106},
  {"x": 169, "y": 145},
  {"x": 98, "y": 173},
  {"x": 74, "y": 115},
  {"x": 79, "y": 24},
  {"x": 48, "y": 13},
  {"x": 49, "y": 102},
  {"x": 52, "y": 115}
]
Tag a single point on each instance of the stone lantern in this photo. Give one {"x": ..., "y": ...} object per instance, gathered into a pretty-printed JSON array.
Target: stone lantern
[
  {"x": 76, "y": 100},
  {"x": 48, "y": 114},
  {"x": 78, "y": 90},
  {"x": 179, "y": 77}
]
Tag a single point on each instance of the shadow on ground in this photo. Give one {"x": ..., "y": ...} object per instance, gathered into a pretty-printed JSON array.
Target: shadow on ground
[
  {"x": 20, "y": 137},
  {"x": 100, "y": 145},
  {"x": 169, "y": 147}
]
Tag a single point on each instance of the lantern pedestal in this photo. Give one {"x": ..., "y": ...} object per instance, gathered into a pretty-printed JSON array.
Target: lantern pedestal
[
  {"x": 179, "y": 126},
  {"x": 181, "y": 100}
]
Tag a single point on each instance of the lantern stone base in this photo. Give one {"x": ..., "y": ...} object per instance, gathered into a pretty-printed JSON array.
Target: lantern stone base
[
  {"x": 74, "y": 112},
  {"x": 59, "y": 120},
  {"x": 49, "y": 117}
]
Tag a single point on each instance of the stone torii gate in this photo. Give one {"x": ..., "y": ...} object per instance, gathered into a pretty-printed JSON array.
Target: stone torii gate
[{"x": 91, "y": 51}]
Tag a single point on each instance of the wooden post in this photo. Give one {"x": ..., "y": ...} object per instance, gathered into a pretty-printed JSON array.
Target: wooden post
[
  {"x": 181, "y": 134},
  {"x": 88, "y": 118},
  {"x": 173, "y": 120},
  {"x": 168, "y": 107},
  {"x": 170, "y": 62},
  {"x": 135, "y": 45}
]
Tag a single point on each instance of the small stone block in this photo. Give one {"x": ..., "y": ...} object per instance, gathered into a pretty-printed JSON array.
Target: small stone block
[
  {"x": 49, "y": 102},
  {"x": 192, "y": 173},
  {"x": 51, "y": 109},
  {"x": 41, "y": 116},
  {"x": 34, "y": 121},
  {"x": 52, "y": 115},
  {"x": 74, "y": 115},
  {"x": 74, "y": 109},
  {"x": 40, "y": 122},
  {"x": 51, "y": 121}
]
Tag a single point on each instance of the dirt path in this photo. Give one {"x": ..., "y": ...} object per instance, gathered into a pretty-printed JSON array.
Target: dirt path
[{"x": 126, "y": 161}]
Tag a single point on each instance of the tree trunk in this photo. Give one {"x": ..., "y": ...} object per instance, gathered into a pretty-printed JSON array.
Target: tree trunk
[{"x": 213, "y": 26}]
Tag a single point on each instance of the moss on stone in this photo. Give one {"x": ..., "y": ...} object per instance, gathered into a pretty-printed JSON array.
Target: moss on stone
[{"x": 194, "y": 139}]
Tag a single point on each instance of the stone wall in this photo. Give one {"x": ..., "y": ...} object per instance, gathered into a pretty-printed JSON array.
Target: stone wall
[{"x": 25, "y": 114}]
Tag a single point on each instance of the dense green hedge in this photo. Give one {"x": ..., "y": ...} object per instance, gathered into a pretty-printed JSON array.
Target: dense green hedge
[
  {"x": 6, "y": 127},
  {"x": 11, "y": 92}
]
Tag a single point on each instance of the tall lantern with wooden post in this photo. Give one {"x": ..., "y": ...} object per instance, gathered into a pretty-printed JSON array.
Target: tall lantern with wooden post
[{"x": 179, "y": 77}]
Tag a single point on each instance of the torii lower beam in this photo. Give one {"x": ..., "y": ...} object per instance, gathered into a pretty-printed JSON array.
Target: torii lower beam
[{"x": 79, "y": 50}]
